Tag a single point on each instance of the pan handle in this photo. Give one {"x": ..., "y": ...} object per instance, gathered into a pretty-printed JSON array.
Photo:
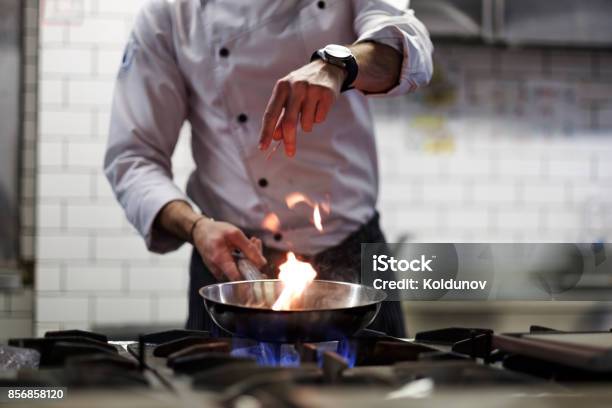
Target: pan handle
[{"x": 246, "y": 267}]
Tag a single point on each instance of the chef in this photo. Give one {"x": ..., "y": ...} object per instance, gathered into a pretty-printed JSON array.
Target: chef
[{"x": 251, "y": 77}]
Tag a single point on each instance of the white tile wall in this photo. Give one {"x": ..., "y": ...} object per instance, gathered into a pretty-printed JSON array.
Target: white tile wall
[
  {"x": 121, "y": 309},
  {"x": 70, "y": 308},
  {"x": 493, "y": 170}
]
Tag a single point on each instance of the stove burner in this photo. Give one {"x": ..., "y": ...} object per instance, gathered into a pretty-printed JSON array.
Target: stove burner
[
  {"x": 267, "y": 354},
  {"x": 77, "y": 358}
]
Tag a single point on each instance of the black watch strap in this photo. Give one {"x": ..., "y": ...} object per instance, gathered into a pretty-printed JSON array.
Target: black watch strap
[{"x": 349, "y": 64}]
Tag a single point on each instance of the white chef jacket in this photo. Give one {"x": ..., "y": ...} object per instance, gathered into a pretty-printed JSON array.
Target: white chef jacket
[{"x": 214, "y": 63}]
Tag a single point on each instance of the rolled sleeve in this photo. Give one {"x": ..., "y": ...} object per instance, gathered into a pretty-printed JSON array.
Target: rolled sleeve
[
  {"x": 148, "y": 111},
  {"x": 393, "y": 24}
]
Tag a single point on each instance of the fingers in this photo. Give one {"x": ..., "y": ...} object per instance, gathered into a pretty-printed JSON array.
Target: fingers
[
  {"x": 222, "y": 265},
  {"x": 323, "y": 107},
  {"x": 257, "y": 242},
  {"x": 305, "y": 95},
  {"x": 272, "y": 113},
  {"x": 278, "y": 133},
  {"x": 290, "y": 119},
  {"x": 309, "y": 108},
  {"x": 228, "y": 266},
  {"x": 238, "y": 240}
]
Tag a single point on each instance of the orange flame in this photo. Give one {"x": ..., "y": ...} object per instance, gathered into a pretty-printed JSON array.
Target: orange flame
[
  {"x": 271, "y": 222},
  {"x": 295, "y": 198},
  {"x": 316, "y": 218},
  {"x": 296, "y": 276}
]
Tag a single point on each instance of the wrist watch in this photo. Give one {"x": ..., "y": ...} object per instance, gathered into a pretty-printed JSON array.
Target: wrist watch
[{"x": 342, "y": 57}]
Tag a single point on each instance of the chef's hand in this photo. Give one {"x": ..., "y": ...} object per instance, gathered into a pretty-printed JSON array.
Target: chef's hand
[
  {"x": 306, "y": 94},
  {"x": 215, "y": 242}
]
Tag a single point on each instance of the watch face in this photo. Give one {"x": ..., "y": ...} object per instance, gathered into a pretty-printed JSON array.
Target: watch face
[{"x": 337, "y": 51}]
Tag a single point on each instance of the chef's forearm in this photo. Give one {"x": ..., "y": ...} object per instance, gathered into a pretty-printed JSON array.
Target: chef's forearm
[
  {"x": 177, "y": 218},
  {"x": 379, "y": 67}
]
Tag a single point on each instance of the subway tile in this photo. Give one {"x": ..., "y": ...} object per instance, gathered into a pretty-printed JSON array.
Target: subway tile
[
  {"x": 89, "y": 154},
  {"x": 519, "y": 168},
  {"x": 121, "y": 7},
  {"x": 94, "y": 216},
  {"x": 569, "y": 169},
  {"x": 49, "y": 215},
  {"x": 540, "y": 193},
  {"x": 590, "y": 194},
  {"x": 90, "y": 93},
  {"x": 15, "y": 327},
  {"x": 109, "y": 61},
  {"x": 103, "y": 188},
  {"x": 417, "y": 218},
  {"x": 121, "y": 248},
  {"x": 158, "y": 279},
  {"x": 64, "y": 185},
  {"x": 495, "y": 192},
  {"x": 462, "y": 218},
  {"x": 442, "y": 192},
  {"x": 400, "y": 191},
  {"x": 178, "y": 259},
  {"x": 47, "y": 277},
  {"x": 50, "y": 153},
  {"x": 604, "y": 168},
  {"x": 419, "y": 164},
  {"x": 95, "y": 30},
  {"x": 511, "y": 219},
  {"x": 62, "y": 247},
  {"x": 65, "y": 123},
  {"x": 172, "y": 309},
  {"x": 52, "y": 34},
  {"x": 93, "y": 278},
  {"x": 66, "y": 61},
  {"x": 21, "y": 301},
  {"x": 119, "y": 309},
  {"x": 51, "y": 92},
  {"x": 61, "y": 309},
  {"x": 102, "y": 121},
  {"x": 559, "y": 219},
  {"x": 461, "y": 165}
]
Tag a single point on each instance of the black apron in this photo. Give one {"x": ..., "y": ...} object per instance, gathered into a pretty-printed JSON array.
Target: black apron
[{"x": 339, "y": 263}]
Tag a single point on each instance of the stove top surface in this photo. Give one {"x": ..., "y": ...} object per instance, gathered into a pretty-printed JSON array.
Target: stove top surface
[{"x": 180, "y": 367}]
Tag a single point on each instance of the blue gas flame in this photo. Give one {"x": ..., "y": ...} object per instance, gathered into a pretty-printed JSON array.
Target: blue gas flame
[
  {"x": 348, "y": 350},
  {"x": 269, "y": 354}
]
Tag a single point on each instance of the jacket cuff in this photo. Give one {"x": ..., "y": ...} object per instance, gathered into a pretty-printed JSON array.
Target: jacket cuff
[
  {"x": 416, "y": 67},
  {"x": 150, "y": 205}
]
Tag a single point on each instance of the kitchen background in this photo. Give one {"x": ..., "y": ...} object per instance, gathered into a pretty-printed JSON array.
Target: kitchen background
[{"x": 506, "y": 145}]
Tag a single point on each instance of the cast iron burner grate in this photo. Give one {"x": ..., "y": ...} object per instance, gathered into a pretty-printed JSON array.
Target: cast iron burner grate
[{"x": 80, "y": 359}]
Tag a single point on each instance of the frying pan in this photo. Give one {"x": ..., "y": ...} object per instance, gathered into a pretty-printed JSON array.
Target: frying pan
[{"x": 327, "y": 310}]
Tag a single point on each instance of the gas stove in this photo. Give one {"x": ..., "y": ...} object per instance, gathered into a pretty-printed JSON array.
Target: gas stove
[{"x": 194, "y": 368}]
